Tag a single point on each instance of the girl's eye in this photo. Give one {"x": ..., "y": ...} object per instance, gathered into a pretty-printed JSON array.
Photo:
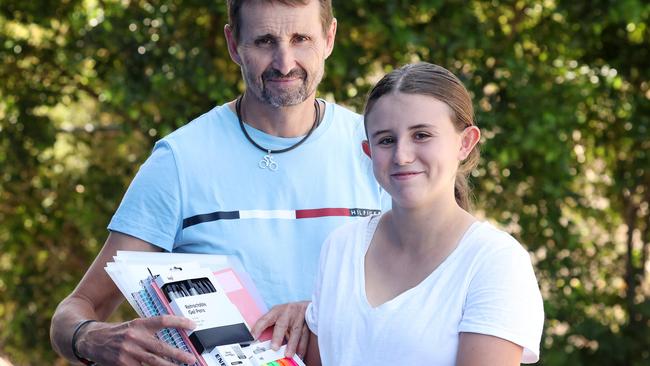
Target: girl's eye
[{"x": 421, "y": 135}]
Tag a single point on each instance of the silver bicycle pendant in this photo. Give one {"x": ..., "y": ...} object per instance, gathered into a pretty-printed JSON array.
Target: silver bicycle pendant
[{"x": 268, "y": 162}]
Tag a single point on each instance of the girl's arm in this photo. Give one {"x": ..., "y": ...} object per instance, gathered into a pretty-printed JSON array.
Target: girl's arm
[
  {"x": 484, "y": 350},
  {"x": 312, "y": 357}
]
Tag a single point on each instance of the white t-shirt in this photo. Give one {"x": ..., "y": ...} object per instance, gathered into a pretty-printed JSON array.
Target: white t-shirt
[{"x": 486, "y": 285}]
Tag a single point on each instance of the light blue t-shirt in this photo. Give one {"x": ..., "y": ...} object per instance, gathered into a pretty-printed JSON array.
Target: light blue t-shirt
[{"x": 202, "y": 191}]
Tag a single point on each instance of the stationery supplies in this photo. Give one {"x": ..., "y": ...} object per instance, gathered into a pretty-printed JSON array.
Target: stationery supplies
[
  {"x": 213, "y": 291},
  {"x": 195, "y": 294},
  {"x": 258, "y": 354}
]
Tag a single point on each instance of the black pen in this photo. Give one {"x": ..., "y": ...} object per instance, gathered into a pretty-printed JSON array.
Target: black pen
[
  {"x": 179, "y": 290},
  {"x": 205, "y": 288},
  {"x": 196, "y": 289},
  {"x": 185, "y": 292},
  {"x": 187, "y": 289},
  {"x": 210, "y": 286}
]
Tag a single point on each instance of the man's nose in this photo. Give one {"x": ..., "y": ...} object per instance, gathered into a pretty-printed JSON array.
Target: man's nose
[{"x": 283, "y": 59}]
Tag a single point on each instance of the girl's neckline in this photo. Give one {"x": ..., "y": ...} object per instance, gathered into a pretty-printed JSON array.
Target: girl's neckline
[{"x": 373, "y": 222}]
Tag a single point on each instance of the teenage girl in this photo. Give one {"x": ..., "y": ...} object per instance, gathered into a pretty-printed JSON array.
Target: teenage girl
[{"x": 425, "y": 283}]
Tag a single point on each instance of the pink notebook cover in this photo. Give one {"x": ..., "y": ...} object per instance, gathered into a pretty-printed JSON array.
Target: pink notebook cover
[{"x": 242, "y": 298}]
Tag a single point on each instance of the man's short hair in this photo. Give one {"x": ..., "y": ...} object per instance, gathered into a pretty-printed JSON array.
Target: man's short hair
[{"x": 234, "y": 12}]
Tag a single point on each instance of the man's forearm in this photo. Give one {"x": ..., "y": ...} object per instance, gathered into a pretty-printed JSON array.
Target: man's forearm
[{"x": 68, "y": 314}]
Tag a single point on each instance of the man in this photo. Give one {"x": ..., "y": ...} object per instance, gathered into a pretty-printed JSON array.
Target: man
[{"x": 263, "y": 178}]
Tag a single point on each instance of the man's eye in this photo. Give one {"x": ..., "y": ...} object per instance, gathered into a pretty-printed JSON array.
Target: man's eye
[
  {"x": 386, "y": 141},
  {"x": 263, "y": 41},
  {"x": 421, "y": 135},
  {"x": 300, "y": 39}
]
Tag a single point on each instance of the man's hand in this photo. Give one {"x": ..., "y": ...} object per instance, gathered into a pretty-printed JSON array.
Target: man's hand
[
  {"x": 288, "y": 321},
  {"x": 133, "y": 342}
]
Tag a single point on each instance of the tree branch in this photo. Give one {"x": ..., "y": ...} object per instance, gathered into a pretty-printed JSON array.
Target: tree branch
[{"x": 631, "y": 211}]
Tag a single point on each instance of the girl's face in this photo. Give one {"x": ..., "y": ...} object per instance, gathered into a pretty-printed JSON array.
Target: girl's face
[{"x": 416, "y": 149}]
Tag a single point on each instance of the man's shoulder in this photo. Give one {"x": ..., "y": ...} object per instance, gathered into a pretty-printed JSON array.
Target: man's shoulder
[
  {"x": 200, "y": 126},
  {"x": 347, "y": 122},
  {"x": 344, "y": 113}
]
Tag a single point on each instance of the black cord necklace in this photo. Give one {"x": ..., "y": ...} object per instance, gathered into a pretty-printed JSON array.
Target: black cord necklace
[{"x": 268, "y": 161}]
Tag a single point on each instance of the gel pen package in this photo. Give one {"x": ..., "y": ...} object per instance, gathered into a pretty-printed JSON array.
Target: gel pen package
[{"x": 196, "y": 295}]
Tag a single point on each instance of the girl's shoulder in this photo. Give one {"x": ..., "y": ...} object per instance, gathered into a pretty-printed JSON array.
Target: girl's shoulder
[
  {"x": 488, "y": 238},
  {"x": 487, "y": 247}
]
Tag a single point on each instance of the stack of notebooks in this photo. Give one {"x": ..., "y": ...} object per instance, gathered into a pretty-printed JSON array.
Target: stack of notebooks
[{"x": 213, "y": 291}]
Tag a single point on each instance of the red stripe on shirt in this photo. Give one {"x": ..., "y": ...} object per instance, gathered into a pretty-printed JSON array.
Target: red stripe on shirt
[{"x": 322, "y": 212}]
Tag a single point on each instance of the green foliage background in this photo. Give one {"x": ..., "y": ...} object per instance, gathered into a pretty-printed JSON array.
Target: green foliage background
[{"x": 562, "y": 91}]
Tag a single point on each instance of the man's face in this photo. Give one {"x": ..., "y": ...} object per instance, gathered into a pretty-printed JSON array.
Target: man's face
[{"x": 282, "y": 51}]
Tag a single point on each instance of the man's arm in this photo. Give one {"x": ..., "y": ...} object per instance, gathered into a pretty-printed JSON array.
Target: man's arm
[{"x": 96, "y": 297}]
